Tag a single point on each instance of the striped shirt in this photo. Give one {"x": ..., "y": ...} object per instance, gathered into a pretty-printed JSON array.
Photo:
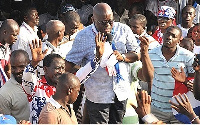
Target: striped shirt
[{"x": 163, "y": 82}]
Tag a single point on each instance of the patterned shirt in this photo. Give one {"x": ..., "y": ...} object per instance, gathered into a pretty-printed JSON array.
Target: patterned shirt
[
  {"x": 163, "y": 82},
  {"x": 38, "y": 92},
  {"x": 4, "y": 60},
  {"x": 99, "y": 87}
]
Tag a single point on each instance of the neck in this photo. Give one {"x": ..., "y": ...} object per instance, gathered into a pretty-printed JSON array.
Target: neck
[
  {"x": 49, "y": 82},
  {"x": 53, "y": 41},
  {"x": 168, "y": 50},
  {"x": 163, "y": 30},
  {"x": 31, "y": 25},
  {"x": 60, "y": 99},
  {"x": 187, "y": 25}
]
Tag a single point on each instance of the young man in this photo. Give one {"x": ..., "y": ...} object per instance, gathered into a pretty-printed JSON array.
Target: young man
[
  {"x": 163, "y": 59},
  {"x": 28, "y": 30},
  {"x": 188, "y": 14},
  {"x": 58, "y": 110},
  {"x": 13, "y": 98},
  {"x": 39, "y": 90},
  {"x": 8, "y": 36}
]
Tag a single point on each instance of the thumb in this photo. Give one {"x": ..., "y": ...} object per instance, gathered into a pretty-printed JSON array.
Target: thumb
[
  {"x": 133, "y": 105},
  {"x": 45, "y": 52},
  {"x": 182, "y": 70}
]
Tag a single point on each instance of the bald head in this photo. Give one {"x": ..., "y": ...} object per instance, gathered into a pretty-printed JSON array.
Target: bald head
[
  {"x": 9, "y": 24},
  {"x": 67, "y": 80},
  {"x": 102, "y": 9},
  {"x": 54, "y": 26},
  {"x": 9, "y": 31}
]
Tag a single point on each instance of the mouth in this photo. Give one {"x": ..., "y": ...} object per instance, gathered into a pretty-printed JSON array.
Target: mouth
[{"x": 162, "y": 25}]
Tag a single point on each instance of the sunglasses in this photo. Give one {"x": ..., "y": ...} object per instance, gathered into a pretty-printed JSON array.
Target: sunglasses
[{"x": 104, "y": 23}]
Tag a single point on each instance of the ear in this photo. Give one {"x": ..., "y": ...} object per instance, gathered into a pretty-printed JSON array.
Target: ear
[
  {"x": 69, "y": 91},
  {"x": 25, "y": 18},
  {"x": 59, "y": 33},
  {"x": 92, "y": 18},
  {"x": 4, "y": 31},
  {"x": 45, "y": 69}
]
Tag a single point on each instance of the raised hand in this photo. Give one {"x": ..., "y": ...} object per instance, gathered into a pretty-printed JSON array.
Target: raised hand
[
  {"x": 100, "y": 42},
  {"x": 144, "y": 104},
  {"x": 144, "y": 45},
  {"x": 179, "y": 76},
  {"x": 36, "y": 51},
  {"x": 183, "y": 106}
]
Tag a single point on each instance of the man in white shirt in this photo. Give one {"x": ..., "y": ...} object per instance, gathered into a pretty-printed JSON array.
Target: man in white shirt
[{"x": 28, "y": 31}]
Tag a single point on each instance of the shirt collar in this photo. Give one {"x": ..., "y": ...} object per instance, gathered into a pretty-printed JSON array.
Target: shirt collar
[
  {"x": 54, "y": 103},
  {"x": 29, "y": 28}
]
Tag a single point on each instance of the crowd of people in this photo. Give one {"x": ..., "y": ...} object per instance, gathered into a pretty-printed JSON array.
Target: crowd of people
[{"x": 99, "y": 61}]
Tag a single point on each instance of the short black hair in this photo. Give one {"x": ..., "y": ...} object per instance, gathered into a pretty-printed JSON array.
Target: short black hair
[
  {"x": 71, "y": 16},
  {"x": 49, "y": 59},
  {"x": 188, "y": 6},
  {"x": 177, "y": 28},
  {"x": 139, "y": 7},
  {"x": 27, "y": 10}
]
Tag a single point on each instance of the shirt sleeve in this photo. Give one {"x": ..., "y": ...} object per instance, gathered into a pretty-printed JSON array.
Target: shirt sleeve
[
  {"x": 29, "y": 79},
  {"x": 5, "y": 106}
]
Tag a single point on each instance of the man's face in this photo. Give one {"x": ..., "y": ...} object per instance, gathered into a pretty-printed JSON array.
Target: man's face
[
  {"x": 171, "y": 38},
  {"x": 32, "y": 17},
  {"x": 17, "y": 67},
  {"x": 71, "y": 27},
  {"x": 136, "y": 26},
  {"x": 56, "y": 69},
  {"x": 11, "y": 35},
  {"x": 62, "y": 32},
  {"x": 188, "y": 15},
  {"x": 104, "y": 23},
  {"x": 74, "y": 94},
  {"x": 196, "y": 35},
  {"x": 164, "y": 22}
]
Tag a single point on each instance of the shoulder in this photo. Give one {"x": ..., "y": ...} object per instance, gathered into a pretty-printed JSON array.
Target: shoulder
[{"x": 184, "y": 52}]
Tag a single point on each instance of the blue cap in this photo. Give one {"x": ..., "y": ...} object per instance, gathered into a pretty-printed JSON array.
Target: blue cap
[{"x": 7, "y": 119}]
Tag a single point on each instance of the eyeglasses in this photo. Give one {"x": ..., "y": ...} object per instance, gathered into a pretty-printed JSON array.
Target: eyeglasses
[
  {"x": 104, "y": 23},
  {"x": 163, "y": 18}
]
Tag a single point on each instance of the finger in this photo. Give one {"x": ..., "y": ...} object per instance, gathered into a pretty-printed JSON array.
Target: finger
[
  {"x": 174, "y": 104},
  {"x": 101, "y": 38},
  {"x": 182, "y": 70},
  {"x": 96, "y": 39},
  {"x": 186, "y": 98},
  {"x": 133, "y": 105},
  {"x": 36, "y": 43},
  {"x": 179, "y": 102},
  {"x": 146, "y": 97},
  {"x": 182, "y": 99},
  {"x": 40, "y": 43},
  {"x": 138, "y": 99},
  {"x": 176, "y": 108},
  {"x": 104, "y": 40},
  {"x": 31, "y": 47},
  {"x": 143, "y": 97},
  {"x": 149, "y": 99},
  {"x": 33, "y": 43}
]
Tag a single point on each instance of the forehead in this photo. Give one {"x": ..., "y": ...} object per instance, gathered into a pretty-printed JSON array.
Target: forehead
[
  {"x": 173, "y": 31},
  {"x": 189, "y": 9},
  {"x": 106, "y": 16},
  {"x": 57, "y": 62},
  {"x": 32, "y": 11},
  {"x": 19, "y": 59},
  {"x": 135, "y": 22}
]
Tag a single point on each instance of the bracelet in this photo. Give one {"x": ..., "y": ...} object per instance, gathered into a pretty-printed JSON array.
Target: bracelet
[
  {"x": 123, "y": 56},
  {"x": 194, "y": 119}
]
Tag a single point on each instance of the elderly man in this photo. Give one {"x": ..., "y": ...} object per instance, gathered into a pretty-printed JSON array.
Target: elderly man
[
  {"x": 55, "y": 30},
  {"x": 8, "y": 35},
  {"x": 106, "y": 94},
  {"x": 58, "y": 110},
  {"x": 13, "y": 98},
  {"x": 28, "y": 30}
]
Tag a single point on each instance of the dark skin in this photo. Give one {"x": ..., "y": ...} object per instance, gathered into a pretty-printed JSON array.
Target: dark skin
[
  {"x": 196, "y": 85},
  {"x": 184, "y": 107},
  {"x": 103, "y": 13}
]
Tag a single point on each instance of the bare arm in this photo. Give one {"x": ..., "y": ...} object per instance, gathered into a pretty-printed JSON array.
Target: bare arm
[
  {"x": 147, "y": 72},
  {"x": 196, "y": 84}
]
